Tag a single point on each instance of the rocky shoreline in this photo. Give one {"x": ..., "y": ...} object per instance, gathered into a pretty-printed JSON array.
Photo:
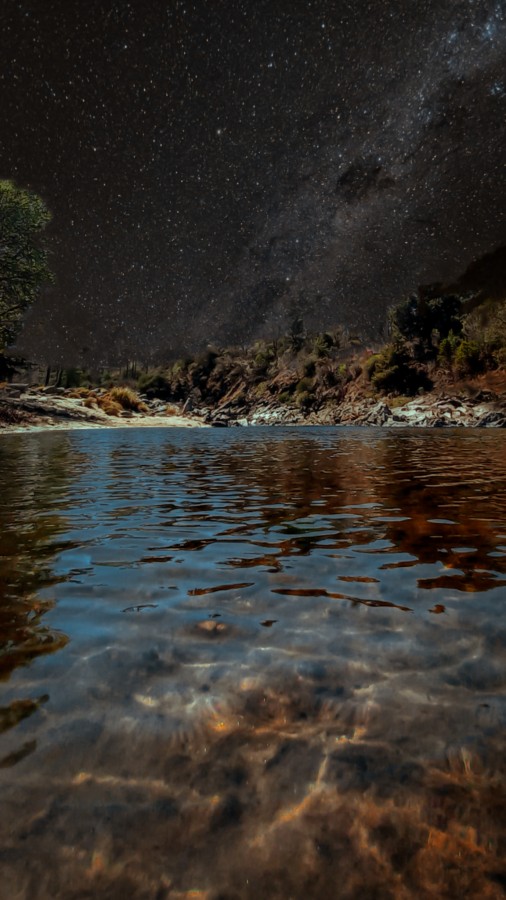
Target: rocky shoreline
[
  {"x": 25, "y": 408},
  {"x": 483, "y": 410}
]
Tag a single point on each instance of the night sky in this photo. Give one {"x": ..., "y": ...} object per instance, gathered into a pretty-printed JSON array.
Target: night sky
[{"x": 211, "y": 165}]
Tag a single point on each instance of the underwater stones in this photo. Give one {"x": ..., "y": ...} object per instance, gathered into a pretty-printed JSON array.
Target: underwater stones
[{"x": 211, "y": 628}]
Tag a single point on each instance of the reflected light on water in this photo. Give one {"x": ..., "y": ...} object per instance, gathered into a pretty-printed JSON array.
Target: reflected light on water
[{"x": 253, "y": 663}]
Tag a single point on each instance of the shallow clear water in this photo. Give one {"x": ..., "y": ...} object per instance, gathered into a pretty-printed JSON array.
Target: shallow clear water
[{"x": 253, "y": 663}]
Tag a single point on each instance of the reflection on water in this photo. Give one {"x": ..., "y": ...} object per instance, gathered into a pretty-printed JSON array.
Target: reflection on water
[{"x": 259, "y": 663}]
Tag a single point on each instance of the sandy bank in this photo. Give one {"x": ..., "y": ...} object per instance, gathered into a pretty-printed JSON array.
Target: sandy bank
[{"x": 40, "y": 411}]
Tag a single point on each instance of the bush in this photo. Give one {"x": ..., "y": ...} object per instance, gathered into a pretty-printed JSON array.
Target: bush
[
  {"x": 419, "y": 318},
  {"x": 154, "y": 384},
  {"x": 487, "y": 325},
  {"x": 80, "y": 392},
  {"x": 309, "y": 367},
  {"x": 448, "y": 348},
  {"x": 259, "y": 390},
  {"x": 468, "y": 359},
  {"x": 304, "y": 386},
  {"x": 110, "y": 407},
  {"x": 205, "y": 362},
  {"x": 181, "y": 365},
  {"x": 392, "y": 371},
  {"x": 303, "y": 399},
  {"x": 322, "y": 345},
  {"x": 499, "y": 357},
  {"x": 262, "y": 362},
  {"x": 125, "y": 398}
]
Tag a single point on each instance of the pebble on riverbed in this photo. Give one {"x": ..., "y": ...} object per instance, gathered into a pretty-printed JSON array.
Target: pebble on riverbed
[{"x": 211, "y": 627}]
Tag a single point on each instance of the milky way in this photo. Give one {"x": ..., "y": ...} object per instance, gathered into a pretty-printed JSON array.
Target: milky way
[{"x": 211, "y": 166}]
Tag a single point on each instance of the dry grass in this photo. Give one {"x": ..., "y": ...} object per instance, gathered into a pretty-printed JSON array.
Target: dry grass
[
  {"x": 113, "y": 402},
  {"x": 109, "y": 406},
  {"x": 126, "y": 398},
  {"x": 172, "y": 411},
  {"x": 80, "y": 392}
]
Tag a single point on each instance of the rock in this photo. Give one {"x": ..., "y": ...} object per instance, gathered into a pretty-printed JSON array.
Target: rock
[
  {"x": 211, "y": 627},
  {"x": 12, "y": 391},
  {"x": 219, "y": 421},
  {"x": 484, "y": 397},
  {"x": 378, "y": 414},
  {"x": 440, "y": 422},
  {"x": 492, "y": 419}
]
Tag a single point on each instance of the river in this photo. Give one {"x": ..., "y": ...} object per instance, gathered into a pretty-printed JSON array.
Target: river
[{"x": 253, "y": 663}]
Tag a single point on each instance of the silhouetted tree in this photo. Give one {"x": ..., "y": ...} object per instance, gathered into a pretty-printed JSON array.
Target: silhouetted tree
[
  {"x": 421, "y": 317},
  {"x": 23, "y": 263}
]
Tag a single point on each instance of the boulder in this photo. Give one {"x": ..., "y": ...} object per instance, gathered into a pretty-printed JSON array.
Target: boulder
[{"x": 492, "y": 419}]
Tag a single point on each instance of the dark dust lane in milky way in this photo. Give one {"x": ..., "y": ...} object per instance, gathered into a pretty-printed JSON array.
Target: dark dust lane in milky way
[{"x": 212, "y": 165}]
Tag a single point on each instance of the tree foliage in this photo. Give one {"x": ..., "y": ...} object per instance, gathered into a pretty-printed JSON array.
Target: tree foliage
[
  {"x": 392, "y": 370},
  {"x": 420, "y": 318},
  {"x": 23, "y": 261}
]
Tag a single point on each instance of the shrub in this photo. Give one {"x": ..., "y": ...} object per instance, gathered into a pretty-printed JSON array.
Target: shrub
[
  {"x": 499, "y": 356},
  {"x": 181, "y": 365},
  {"x": 322, "y": 345},
  {"x": 468, "y": 360},
  {"x": 110, "y": 407},
  {"x": 260, "y": 390},
  {"x": 309, "y": 367},
  {"x": 303, "y": 399},
  {"x": 125, "y": 398},
  {"x": 487, "y": 324},
  {"x": 155, "y": 384},
  {"x": 79, "y": 393},
  {"x": 448, "y": 348},
  {"x": 304, "y": 385},
  {"x": 420, "y": 317},
  {"x": 392, "y": 371},
  {"x": 205, "y": 362},
  {"x": 262, "y": 362}
]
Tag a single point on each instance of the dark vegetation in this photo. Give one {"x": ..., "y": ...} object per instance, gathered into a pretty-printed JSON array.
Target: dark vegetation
[
  {"x": 24, "y": 265},
  {"x": 436, "y": 336}
]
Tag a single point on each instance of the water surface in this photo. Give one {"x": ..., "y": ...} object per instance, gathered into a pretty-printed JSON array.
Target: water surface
[{"x": 253, "y": 663}]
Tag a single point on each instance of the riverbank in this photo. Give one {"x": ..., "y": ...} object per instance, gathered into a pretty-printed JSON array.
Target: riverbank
[
  {"x": 38, "y": 409},
  {"x": 477, "y": 405},
  {"x": 425, "y": 412}
]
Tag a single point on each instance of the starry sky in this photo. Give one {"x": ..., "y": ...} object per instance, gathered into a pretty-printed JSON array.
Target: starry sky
[{"x": 214, "y": 165}]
